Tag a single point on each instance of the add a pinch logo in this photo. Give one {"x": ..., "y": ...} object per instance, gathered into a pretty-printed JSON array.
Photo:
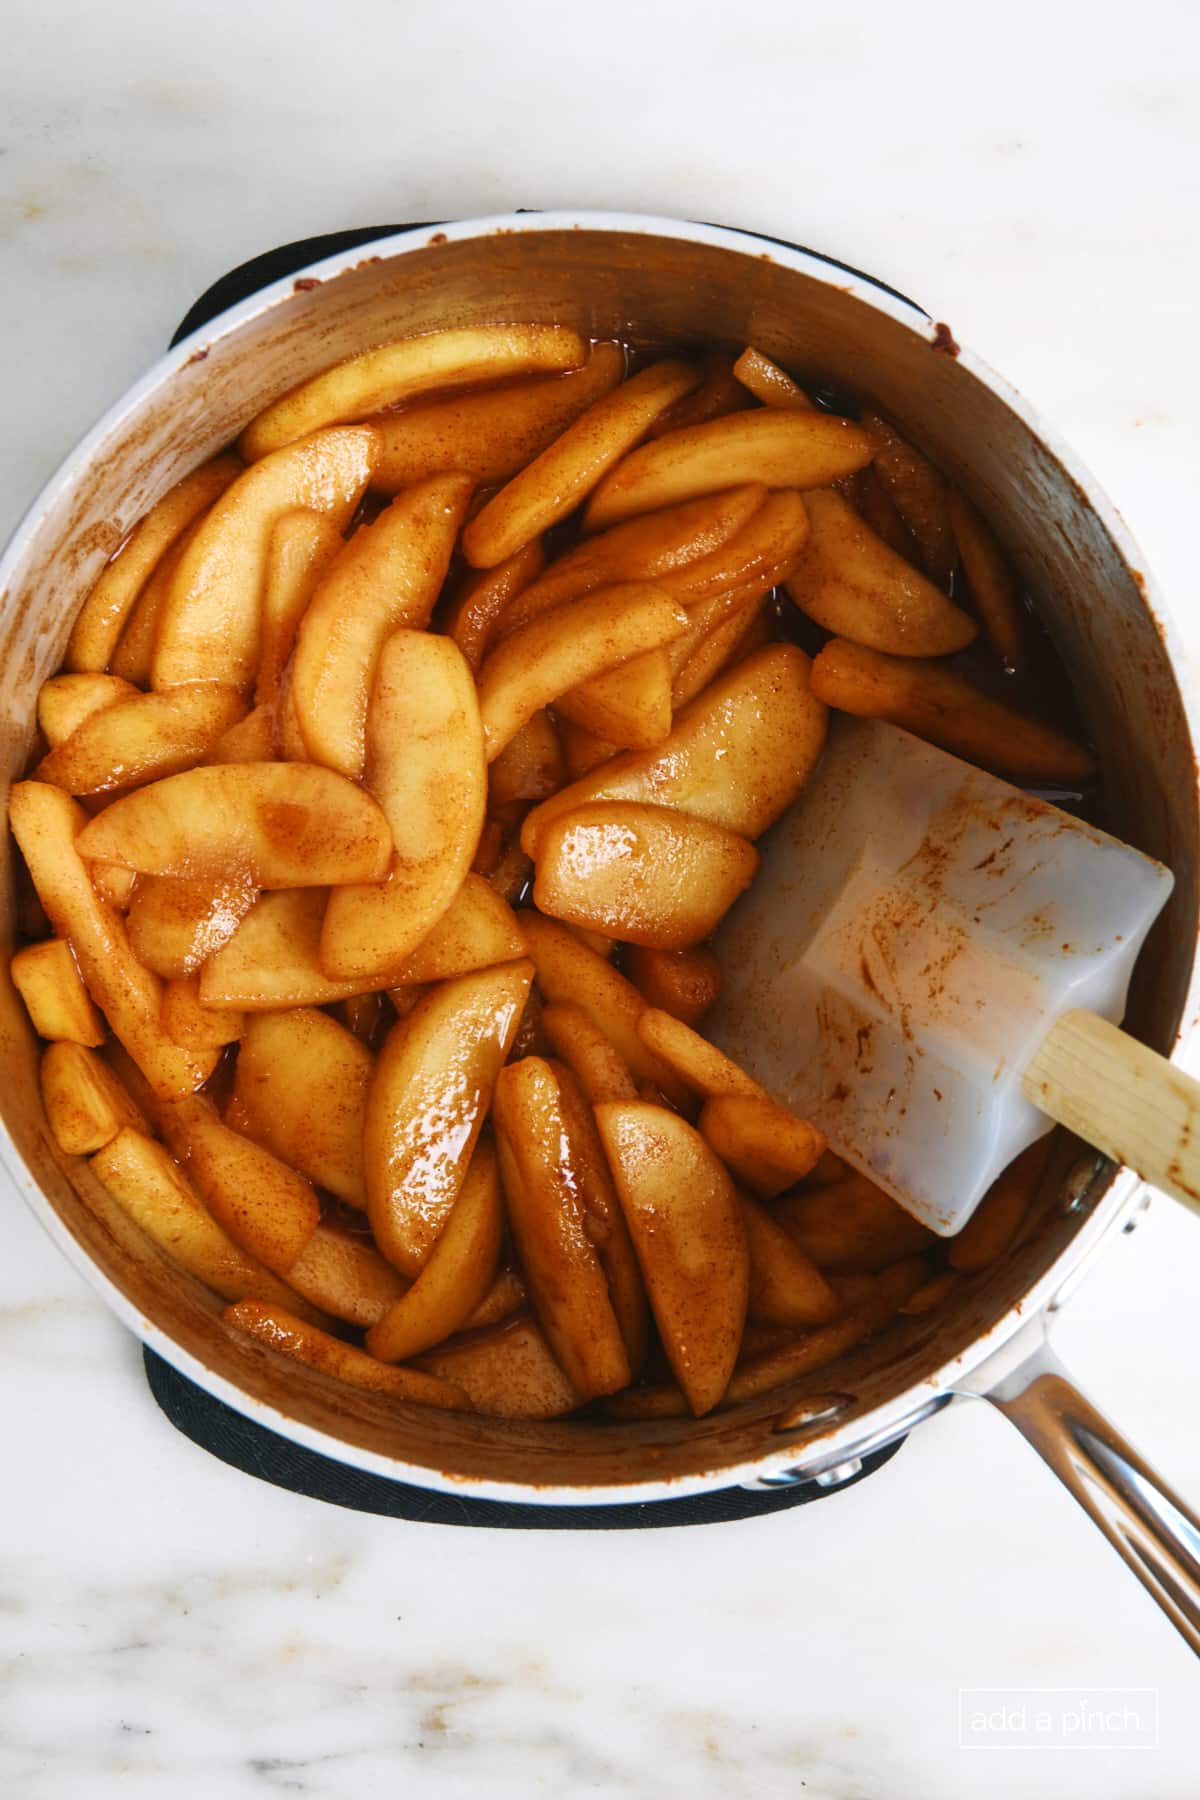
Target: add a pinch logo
[{"x": 1058, "y": 1718}]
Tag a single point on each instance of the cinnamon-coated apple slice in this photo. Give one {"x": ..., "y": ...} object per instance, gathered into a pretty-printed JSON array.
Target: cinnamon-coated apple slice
[
  {"x": 553, "y": 1231},
  {"x": 270, "y": 961},
  {"x": 786, "y": 1287},
  {"x": 388, "y": 576},
  {"x": 425, "y": 767},
  {"x": 284, "y": 1331},
  {"x": 508, "y": 1372},
  {"x": 427, "y": 1102},
  {"x": 175, "y": 924},
  {"x": 186, "y": 1020},
  {"x": 210, "y": 624},
  {"x": 761, "y": 1142},
  {"x": 341, "y": 1272},
  {"x": 459, "y": 1273},
  {"x": 685, "y": 1220},
  {"x": 66, "y": 701},
  {"x": 86, "y": 1105},
  {"x": 266, "y": 1207},
  {"x": 302, "y": 546},
  {"x": 301, "y": 1090},
  {"x": 47, "y": 978},
  {"x": 275, "y": 825},
  {"x": 477, "y": 929},
  {"x": 427, "y": 362},
  {"x": 142, "y": 738}
]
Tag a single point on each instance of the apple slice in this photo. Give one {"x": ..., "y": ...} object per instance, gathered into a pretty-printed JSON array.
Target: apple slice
[
  {"x": 133, "y": 658},
  {"x": 656, "y": 548},
  {"x": 720, "y": 392},
  {"x": 761, "y": 1142},
  {"x": 142, "y": 739},
  {"x": 686, "y": 1224},
  {"x": 275, "y": 825},
  {"x": 66, "y": 701},
  {"x": 186, "y": 1020},
  {"x": 175, "y": 924},
  {"x": 569, "y": 973},
  {"x": 786, "y": 1287},
  {"x": 148, "y": 1184},
  {"x": 692, "y": 1058},
  {"x": 508, "y": 1373},
  {"x": 103, "y": 614},
  {"x": 741, "y": 629},
  {"x": 388, "y": 576},
  {"x": 210, "y": 624},
  {"x": 425, "y": 767},
  {"x": 641, "y": 874},
  {"x": 684, "y": 983},
  {"x": 856, "y": 586},
  {"x": 47, "y": 978},
  {"x": 271, "y": 960},
  {"x": 558, "y": 650},
  {"x": 267, "y": 1208},
  {"x": 738, "y": 755},
  {"x": 779, "y": 448},
  {"x": 427, "y": 1103},
  {"x": 629, "y": 706},
  {"x": 769, "y": 383},
  {"x": 458, "y": 1275},
  {"x": 252, "y": 739},
  {"x": 85, "y": 1103},
  {"x": 764, "y": 550},
  {"x": 301, "y": 1090},
  {"x": 552, "y": 1230},
  {"x": 283, "y": 1331},
  {"x": 851, "y": 1227},
  {"x": 598, "y": 1069},
  {"x": 485, "y": 597},
  {"x": 342, "y": 1273},
  {"x": 491, "y": 434},
  {"x": 46, "y": 824},
  {"x": 433, "y": 360},
  {"x": 531, "y": 766},
  {"x": 505, "y": 1297},
  {"x": 477, "y": 929},
  {"x": 301, "y": 548},
  {"x": 918, "y": 492}
]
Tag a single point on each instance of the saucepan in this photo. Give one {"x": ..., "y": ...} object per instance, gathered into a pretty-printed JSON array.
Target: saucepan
[{"x": 661, "y": 280}]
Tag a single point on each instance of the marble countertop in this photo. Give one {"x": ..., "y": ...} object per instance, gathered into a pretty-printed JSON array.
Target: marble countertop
[{"x": 169, "y": 1627}]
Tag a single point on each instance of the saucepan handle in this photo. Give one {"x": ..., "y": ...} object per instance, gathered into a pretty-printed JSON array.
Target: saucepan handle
[{"x": 1147, "y": 1524}]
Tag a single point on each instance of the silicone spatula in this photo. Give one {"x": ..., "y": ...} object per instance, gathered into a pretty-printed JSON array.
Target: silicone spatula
[{"x": 932, "y": 966}]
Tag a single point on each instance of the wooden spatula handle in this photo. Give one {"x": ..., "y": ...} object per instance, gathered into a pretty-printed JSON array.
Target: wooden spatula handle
[{"x": 1126, "y": 1100}]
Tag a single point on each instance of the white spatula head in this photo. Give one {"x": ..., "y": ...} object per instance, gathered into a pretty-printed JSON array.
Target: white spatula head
[{"x": 915, "y": 929}]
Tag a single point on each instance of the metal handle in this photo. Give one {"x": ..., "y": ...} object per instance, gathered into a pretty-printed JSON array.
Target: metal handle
[{"x": 1148, "y": 1525}]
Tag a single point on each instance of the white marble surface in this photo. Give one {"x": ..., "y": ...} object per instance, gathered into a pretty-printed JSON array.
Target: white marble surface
[{"x": 168, "y": 1627}]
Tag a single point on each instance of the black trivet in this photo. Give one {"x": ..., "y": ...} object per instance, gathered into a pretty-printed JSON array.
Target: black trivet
[{"x": 244, "y": 1445}]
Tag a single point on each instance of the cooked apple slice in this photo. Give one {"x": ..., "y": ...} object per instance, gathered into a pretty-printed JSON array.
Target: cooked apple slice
[
  {"x": 485, "y": 597},
  {"x": 425, "y": 767},
  {"x": 283, "y": 1331},
  {"x": 186, "y": 1020},
  {"x": 477, "y": 929},
  {"x": 738, "y": 755},
  {"x": 276, "y": 825},
  {"x": 505, "y": 1297},
  {"x": 630, "y": 706},
  {"x": 719, "y": 392},
  {"x": 210, "y": 625},
  {"x": 656, "y": 548},
  {"x": 601, "y": 1073},
  {"x": 492, "y": 434},
  {"x": 458, "y": 1274},
  {"x": 252, "y": 739},
  {"x": 989, "y": 578},
  {"x": 763, "y": 551},
  {"x": 133, "y": 658},
  {"x": 66, "y": 701},
  {"x": 388, "y": 576},
  {"x": 555, "y": 482},
  {"x": 85, "y": 1104},
  {"x": 46, "y": 824},
  {"x": 686, "y": 1224},
  {"x": 692, "y": 1058},
  {"x": 642, "y": 874},
  {"x": 98, "y": 626},
  {"x": 508, "y": 1373},
  {"x": 301, "y": 548},
  {"x": 434, "y": 360},
  {"x": 743, "y": 630},
  {"x": 853, "y": 1226},
  {"x": 557, "y": 651},
  {"x": 175, "y": 924},
  {"x": 568, "y": 973},
  {"x": 584, "y": 1157},
  {"x": 918, "y": 492},
  {"x": 341, "y": 1272},
  {"x": 147, "y": 1182},
  {"x": 267, "y": 1208},
  {"x": 531, "y": 766},
  {"x": 853, "y": 584},
  {"x": 141, "y": 739},
  {"x": 563, "y": 1274},
  {"x": 684, "y": 983},
  {"x": 427, "y": 1103},
  {"x": 271, "y": 960},
  {"x": 781, "y": 449},
  {"x": 786, "y": 1287},
  {"x": 761, "y": 1142},
  {"x": 769, "y": 383},
  {"x": 47, "y": 978},
  {"x": 301, "y": 1087}
]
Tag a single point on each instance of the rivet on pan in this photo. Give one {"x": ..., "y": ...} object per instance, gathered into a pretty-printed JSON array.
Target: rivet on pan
[
  {"x": 1078, "y": 1181},
  {"x": 814, "y": 1410}
]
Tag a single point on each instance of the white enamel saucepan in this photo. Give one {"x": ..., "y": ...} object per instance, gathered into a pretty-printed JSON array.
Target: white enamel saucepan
[{"x": 661, "y": 280}]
